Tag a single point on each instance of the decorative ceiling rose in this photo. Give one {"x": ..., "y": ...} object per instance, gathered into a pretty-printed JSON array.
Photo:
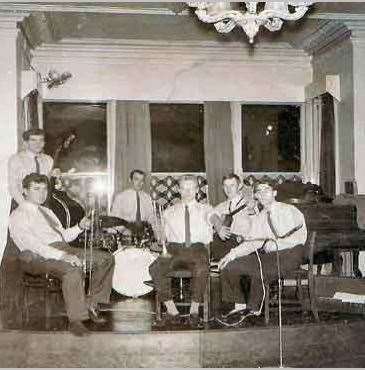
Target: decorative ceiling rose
[{"x": 270, "y": 14}]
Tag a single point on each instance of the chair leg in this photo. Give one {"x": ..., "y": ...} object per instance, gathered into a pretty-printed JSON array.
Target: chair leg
[
  {"x": 267, "y": 304},
  {"x": 47, "y": 307},
  {"x": 312, "y": 298},
  {"x": 25, "y": 309},
  {"x": 158, "y": 307},
  {"x": 206, "y": 302},
  {"x": 300, "y": 294}
]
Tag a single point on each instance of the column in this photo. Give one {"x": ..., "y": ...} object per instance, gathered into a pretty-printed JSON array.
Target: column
[{"x": 9, "y": 92}]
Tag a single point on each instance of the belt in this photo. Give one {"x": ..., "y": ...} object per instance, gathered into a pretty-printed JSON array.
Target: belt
[{"x": 182, "y": 245}]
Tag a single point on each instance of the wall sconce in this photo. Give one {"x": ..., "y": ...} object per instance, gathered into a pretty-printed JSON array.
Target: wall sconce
[{"x": 55, "y": 79}]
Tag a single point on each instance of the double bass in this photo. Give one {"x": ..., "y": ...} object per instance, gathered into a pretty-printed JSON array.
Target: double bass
[{"x": 68, "y": 210}]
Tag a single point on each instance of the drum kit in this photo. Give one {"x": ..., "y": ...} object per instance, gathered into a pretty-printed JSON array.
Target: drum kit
[{"x": 133, "y": 252}]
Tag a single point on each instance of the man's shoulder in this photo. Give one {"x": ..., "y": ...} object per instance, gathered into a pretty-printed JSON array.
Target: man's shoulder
[
  {"x": 288, "y": 207},
  {"x": 17, "y": 156},
  {"x": 123, "y": 193},
  {"x": 46, "y": 156}
]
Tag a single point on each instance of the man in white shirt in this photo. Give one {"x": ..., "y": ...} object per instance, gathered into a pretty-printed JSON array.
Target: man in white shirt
[
  {"x": 30, "y": 160},
  {"x": 187, "y": 231},
  {"x": 43, "y": 245},
  {"x": 134, "y": 205},
  {"x": 233, "y": 216},
  {"x": 278, "y": 225}
]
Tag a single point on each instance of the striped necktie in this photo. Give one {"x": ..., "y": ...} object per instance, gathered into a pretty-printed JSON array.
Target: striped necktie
[{"x": 271, "y": 225}]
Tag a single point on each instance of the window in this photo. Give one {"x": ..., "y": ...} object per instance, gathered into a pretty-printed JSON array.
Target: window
[
  {"x": 177, "y": 137},
  {"x": 86, "y": 155},
  {"x": 271, "y": 138},
  {"x": 86, "y": 123}
]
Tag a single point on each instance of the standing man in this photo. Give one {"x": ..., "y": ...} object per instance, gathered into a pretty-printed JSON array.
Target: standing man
[
  {"x": 134, "y": 205},
  {"x": 232, "y": 218},
  {"x": 278, "y": 226},
  {"x": 187, "y": 231},
  {"x": 44, "y": 248},
  {"x": 31, "y": 159}
]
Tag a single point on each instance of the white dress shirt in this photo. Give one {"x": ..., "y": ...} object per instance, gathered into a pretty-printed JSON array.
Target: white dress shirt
[
  {"x": 125, "y": 206},
  {"x": 284, "y": 218},
  {"x": 22, "y": 164},
  {"x": 31, "y": 231},
  {"x": 201, "y": 230},
  {"x": 242, "y": 220}
]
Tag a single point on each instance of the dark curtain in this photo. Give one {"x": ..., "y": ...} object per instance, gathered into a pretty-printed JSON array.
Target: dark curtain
[
  {"x": 133, "y": 141},
  {"x": 218, "y": 147},
  {"x": 33, "y": 109},
  {"x": 327, "y": 177}
]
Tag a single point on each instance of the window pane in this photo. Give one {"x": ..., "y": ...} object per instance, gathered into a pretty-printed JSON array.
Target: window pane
[
  {"x": 87, "y": 122},
  {"x": 177, "y": 137},
  {"x": 270, "y": 138}
]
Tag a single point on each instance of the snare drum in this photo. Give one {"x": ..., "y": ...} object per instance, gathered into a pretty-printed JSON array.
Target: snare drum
[{"x": 131, "y": 270}]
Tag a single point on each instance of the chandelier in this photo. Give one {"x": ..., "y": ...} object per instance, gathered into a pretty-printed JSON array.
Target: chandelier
[{"x": 270, "y": 14}]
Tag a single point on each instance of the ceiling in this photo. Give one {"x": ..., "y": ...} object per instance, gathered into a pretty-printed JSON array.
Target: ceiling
[{"x": 50, "y": 22}]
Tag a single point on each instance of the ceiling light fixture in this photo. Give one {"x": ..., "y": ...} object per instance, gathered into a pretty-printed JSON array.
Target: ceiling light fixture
[{"x": 271, "y": 14}]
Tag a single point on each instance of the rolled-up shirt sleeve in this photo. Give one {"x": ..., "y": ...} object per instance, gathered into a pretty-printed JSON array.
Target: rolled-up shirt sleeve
[
  {"x": 71, "y": 233},
  {"x": 25, "y": 239}
]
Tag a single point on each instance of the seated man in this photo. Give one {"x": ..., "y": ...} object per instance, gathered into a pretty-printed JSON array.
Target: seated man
[
  {"x": 278, "y": 225},
  {"x": 232, "y": 218},
  {"x": 134, "y": 205},
  {"x": 43, "y": 246},
  {"x": 187, "y": 231}
]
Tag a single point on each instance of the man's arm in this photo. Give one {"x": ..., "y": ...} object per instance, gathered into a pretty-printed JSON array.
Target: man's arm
[
  {"x": 26, "y": 239},
  {"x": 15, "y": 180}
]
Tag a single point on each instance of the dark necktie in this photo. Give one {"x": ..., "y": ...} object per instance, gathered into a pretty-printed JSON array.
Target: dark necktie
[
  {"x": 51, "y": 223},
  {"x": 37, "y": 167},
  {"x": 271, "y": 225},
  {"x": 187, "y": 227},
  {"x": 138, "y": 211},
  {"x": 230, "y": 207}
]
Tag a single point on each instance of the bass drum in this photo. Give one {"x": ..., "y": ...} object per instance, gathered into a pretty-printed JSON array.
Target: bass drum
[{"x": 131, "y": 270}]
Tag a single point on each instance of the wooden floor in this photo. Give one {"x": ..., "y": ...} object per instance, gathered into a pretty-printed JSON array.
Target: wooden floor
[{"x": 131, "y": 339}]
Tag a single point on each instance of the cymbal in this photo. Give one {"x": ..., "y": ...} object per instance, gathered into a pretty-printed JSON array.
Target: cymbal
[{"x": 112, "y": 221}]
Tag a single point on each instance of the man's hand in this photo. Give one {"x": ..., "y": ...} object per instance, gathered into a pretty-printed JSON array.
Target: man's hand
[
  {"x": 224, "y": 233},
  {"x": 85, "y": 223},
  {"x": 73, "y": 260},
  {"x": 270, "y": 246},
  {"x": 226, "y": 259}
]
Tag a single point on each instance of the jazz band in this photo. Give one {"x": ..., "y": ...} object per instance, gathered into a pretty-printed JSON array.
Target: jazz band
[{"x": 242, "y": 236}]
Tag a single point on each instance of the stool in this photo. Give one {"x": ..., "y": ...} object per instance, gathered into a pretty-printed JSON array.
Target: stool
[
  {"x": 185, "y": 274},
  {"x": 49, "y": 284},
  {"x": 298, "y": 279}
]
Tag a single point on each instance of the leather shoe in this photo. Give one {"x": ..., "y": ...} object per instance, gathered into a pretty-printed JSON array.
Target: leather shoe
[
  {"x": 194, "y": 320},
  {"x": 94, "y": 316},
  {"x": 78, "y": 329},
  {"x": 149, "y": 283}
]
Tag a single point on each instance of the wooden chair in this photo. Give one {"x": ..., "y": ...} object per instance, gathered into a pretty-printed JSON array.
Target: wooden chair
[
  {"x": 299, "y": 280},
  {"x": 48, "y": 285}
]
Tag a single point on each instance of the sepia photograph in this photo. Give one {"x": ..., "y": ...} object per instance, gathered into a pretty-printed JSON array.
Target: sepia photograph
[{"x": 182, "y": 184}]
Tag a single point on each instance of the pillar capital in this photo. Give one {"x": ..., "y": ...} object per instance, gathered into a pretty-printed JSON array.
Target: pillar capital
[{"x": 9, "y": 22}]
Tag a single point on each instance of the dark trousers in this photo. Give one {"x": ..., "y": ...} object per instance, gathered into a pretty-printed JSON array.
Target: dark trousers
[
  {"x": 72, "y": 278},
  {"x": 290, "y": 259},
  {"x": 219, "y": 248},
  {"x": 194, "y": 259}
]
